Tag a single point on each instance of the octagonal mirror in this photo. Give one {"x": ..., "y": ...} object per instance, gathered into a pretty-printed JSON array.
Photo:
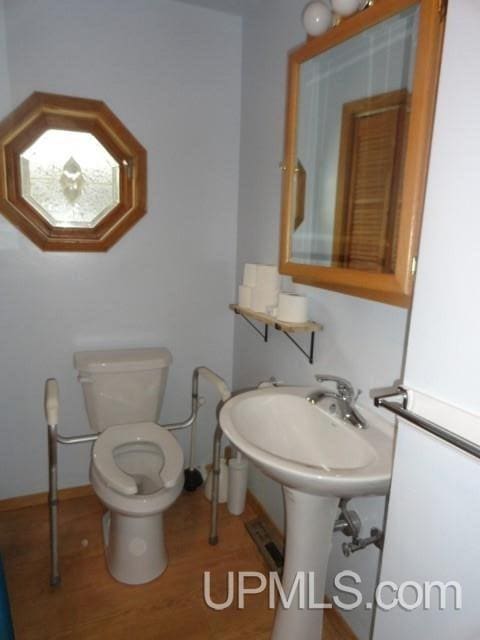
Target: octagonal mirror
[{"x": 72, "y": 176}]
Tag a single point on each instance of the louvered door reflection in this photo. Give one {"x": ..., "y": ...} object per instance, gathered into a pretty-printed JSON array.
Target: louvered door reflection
[{"x": 370, "y": 174}]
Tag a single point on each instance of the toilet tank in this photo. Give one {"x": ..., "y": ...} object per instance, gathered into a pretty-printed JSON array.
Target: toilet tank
[{"x": 123, "y": 386}]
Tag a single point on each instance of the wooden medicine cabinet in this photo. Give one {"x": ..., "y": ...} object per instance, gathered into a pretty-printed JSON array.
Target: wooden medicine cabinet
[{"x": 359, "y": 118}]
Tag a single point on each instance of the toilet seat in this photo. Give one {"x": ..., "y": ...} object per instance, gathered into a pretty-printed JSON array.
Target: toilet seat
[{"x": 104, "y": 461}]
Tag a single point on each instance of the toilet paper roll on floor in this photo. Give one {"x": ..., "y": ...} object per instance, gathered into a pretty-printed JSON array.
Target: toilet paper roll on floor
[
  {"x": 245, "y": 296},
  {"x": 292, "y": 307},
  {"x": 237, "y": 485}
]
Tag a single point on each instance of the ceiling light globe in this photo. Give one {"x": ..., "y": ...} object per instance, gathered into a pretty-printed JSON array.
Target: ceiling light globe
[
  {"x": 346, "y": 7},
  {"x": 317, "y": 18}
]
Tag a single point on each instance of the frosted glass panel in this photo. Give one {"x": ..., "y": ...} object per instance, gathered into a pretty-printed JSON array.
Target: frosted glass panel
[{"x": 69, "y": 178}]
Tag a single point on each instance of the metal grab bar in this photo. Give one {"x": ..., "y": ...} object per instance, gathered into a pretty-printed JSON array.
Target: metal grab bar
[
  {"x": 212, "y": 377},
  {"x": 52, "y": 405},
  {"x": 400, "y": 409},
  {"x": 225, "y": 394},
  {"x": 217, "y": 448}
]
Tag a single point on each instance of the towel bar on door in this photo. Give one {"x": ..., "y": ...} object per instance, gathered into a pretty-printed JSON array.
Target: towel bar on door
[{"x": 400, "y": 409}]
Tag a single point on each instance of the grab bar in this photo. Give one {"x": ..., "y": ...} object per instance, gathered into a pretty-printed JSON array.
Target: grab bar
[
  {"x": 400, "y": 409},
  {"x": 52, "y": 405},
  {"x": 197, "y": 402}
]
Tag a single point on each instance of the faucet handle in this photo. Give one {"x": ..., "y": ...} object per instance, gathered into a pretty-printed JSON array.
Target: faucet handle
[{"x": 345, "y": 388}]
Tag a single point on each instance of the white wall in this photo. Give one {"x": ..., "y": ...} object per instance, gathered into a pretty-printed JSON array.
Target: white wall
[
  {"x": 434, "y": 515},
  {"x": 447, "y": 301},
  {"x": 434, "y": 492},
  {"x": 171, "y": 72},
  {"x": 362, "y": 340}
]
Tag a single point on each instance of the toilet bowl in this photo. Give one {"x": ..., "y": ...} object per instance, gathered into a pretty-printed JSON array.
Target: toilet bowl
[
  {"x": 137, "y": 472},
  {"x": 137, "y": 466}
]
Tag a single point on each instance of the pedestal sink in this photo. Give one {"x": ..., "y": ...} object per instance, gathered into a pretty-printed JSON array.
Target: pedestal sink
[{"x": 318, "y": 458}]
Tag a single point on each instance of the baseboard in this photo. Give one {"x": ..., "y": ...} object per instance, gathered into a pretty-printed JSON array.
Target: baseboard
[
  {"x": 342, "y": 627},
  {"x": 36, "y": 499},
  {"x": 256, "y": 506}
]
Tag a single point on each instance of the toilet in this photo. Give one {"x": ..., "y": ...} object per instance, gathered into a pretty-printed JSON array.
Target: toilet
[{"x": 137, "y": 466}]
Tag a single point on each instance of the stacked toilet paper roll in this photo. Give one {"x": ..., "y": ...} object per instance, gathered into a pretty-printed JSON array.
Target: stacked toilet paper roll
[
  {"x": 292, "y": 307},
  {"x": 260, "y": 288},
  {"x": 245, "y": 296},
  {"x": 268, "y": 277},
  {"x": 250, "y": 274}
]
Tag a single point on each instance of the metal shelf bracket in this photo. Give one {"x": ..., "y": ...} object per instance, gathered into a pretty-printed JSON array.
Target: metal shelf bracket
[
  {"x": 310, "y": 353},
  {"x": 264, "y": 334}
]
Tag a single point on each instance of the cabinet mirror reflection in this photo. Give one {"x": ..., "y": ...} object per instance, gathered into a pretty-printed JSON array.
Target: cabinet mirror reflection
[{"x": 352, "y": 125}]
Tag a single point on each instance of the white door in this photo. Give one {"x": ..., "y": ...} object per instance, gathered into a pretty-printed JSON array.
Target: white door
[{"x": 433, "y": 523}]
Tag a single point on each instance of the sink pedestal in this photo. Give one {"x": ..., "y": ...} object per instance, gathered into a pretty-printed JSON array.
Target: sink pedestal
[
  {"x": 310, "y": 520},
  {"x": 315, "y": 456}
]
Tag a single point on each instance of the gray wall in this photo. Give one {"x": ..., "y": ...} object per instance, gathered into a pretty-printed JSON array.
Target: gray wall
[
  {"x": 171, "y": 72},
  {"x": 4, "y": 79},
  {"x": 362, "y": 340}
]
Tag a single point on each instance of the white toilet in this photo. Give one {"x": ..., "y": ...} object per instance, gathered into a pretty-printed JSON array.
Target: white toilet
[{"x": 137, "y": 466}]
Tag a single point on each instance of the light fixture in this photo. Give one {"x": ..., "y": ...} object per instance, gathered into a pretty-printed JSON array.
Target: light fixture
[
  {"x": 346, "y": 8},
  {"x": 317, "y": 18}
]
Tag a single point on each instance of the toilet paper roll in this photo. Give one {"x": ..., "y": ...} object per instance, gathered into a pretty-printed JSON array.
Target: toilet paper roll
[
  {"x": 237, "y": 485},
  {"x": 245, "y": 296},
  {"x": 263, "y": 298},
  {"x": 268, "y": 276},
  {"x": 250, "y": 274},
  {"x": 292, "y": 307}
]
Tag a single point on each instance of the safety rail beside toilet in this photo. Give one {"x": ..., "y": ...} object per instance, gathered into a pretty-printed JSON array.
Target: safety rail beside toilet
[{"x": 52, "y": 408}]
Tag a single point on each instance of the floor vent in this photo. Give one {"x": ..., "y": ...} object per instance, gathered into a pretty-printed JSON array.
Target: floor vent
[{"x": 268, "y": 543}]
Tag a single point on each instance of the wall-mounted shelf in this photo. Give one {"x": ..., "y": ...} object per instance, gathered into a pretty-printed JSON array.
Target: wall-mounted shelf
[{"x": 285, "y": 327}]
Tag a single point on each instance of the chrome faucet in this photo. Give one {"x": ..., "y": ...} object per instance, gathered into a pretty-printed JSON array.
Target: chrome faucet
[{"x": 345, "y": 399}]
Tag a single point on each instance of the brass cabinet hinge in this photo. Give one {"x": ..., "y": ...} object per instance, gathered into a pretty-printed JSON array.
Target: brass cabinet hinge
[
  {"x": 442, "y": 9},
  {"x": 413, "y": 267}
]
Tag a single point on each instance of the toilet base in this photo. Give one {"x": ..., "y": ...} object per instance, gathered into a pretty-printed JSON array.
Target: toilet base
[{"x": 134, "y": 547}]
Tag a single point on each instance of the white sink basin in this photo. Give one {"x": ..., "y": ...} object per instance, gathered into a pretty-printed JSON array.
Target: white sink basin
[
  {"x": 304, "y": 447},
  {"x": 318, "y": 458}
]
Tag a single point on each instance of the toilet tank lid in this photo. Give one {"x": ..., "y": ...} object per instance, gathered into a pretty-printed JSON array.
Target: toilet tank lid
[{"x": 122, "y": 360}]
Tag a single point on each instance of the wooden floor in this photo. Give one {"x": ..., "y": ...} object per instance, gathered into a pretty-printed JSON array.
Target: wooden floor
[{"x": 89, "y": 604}]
